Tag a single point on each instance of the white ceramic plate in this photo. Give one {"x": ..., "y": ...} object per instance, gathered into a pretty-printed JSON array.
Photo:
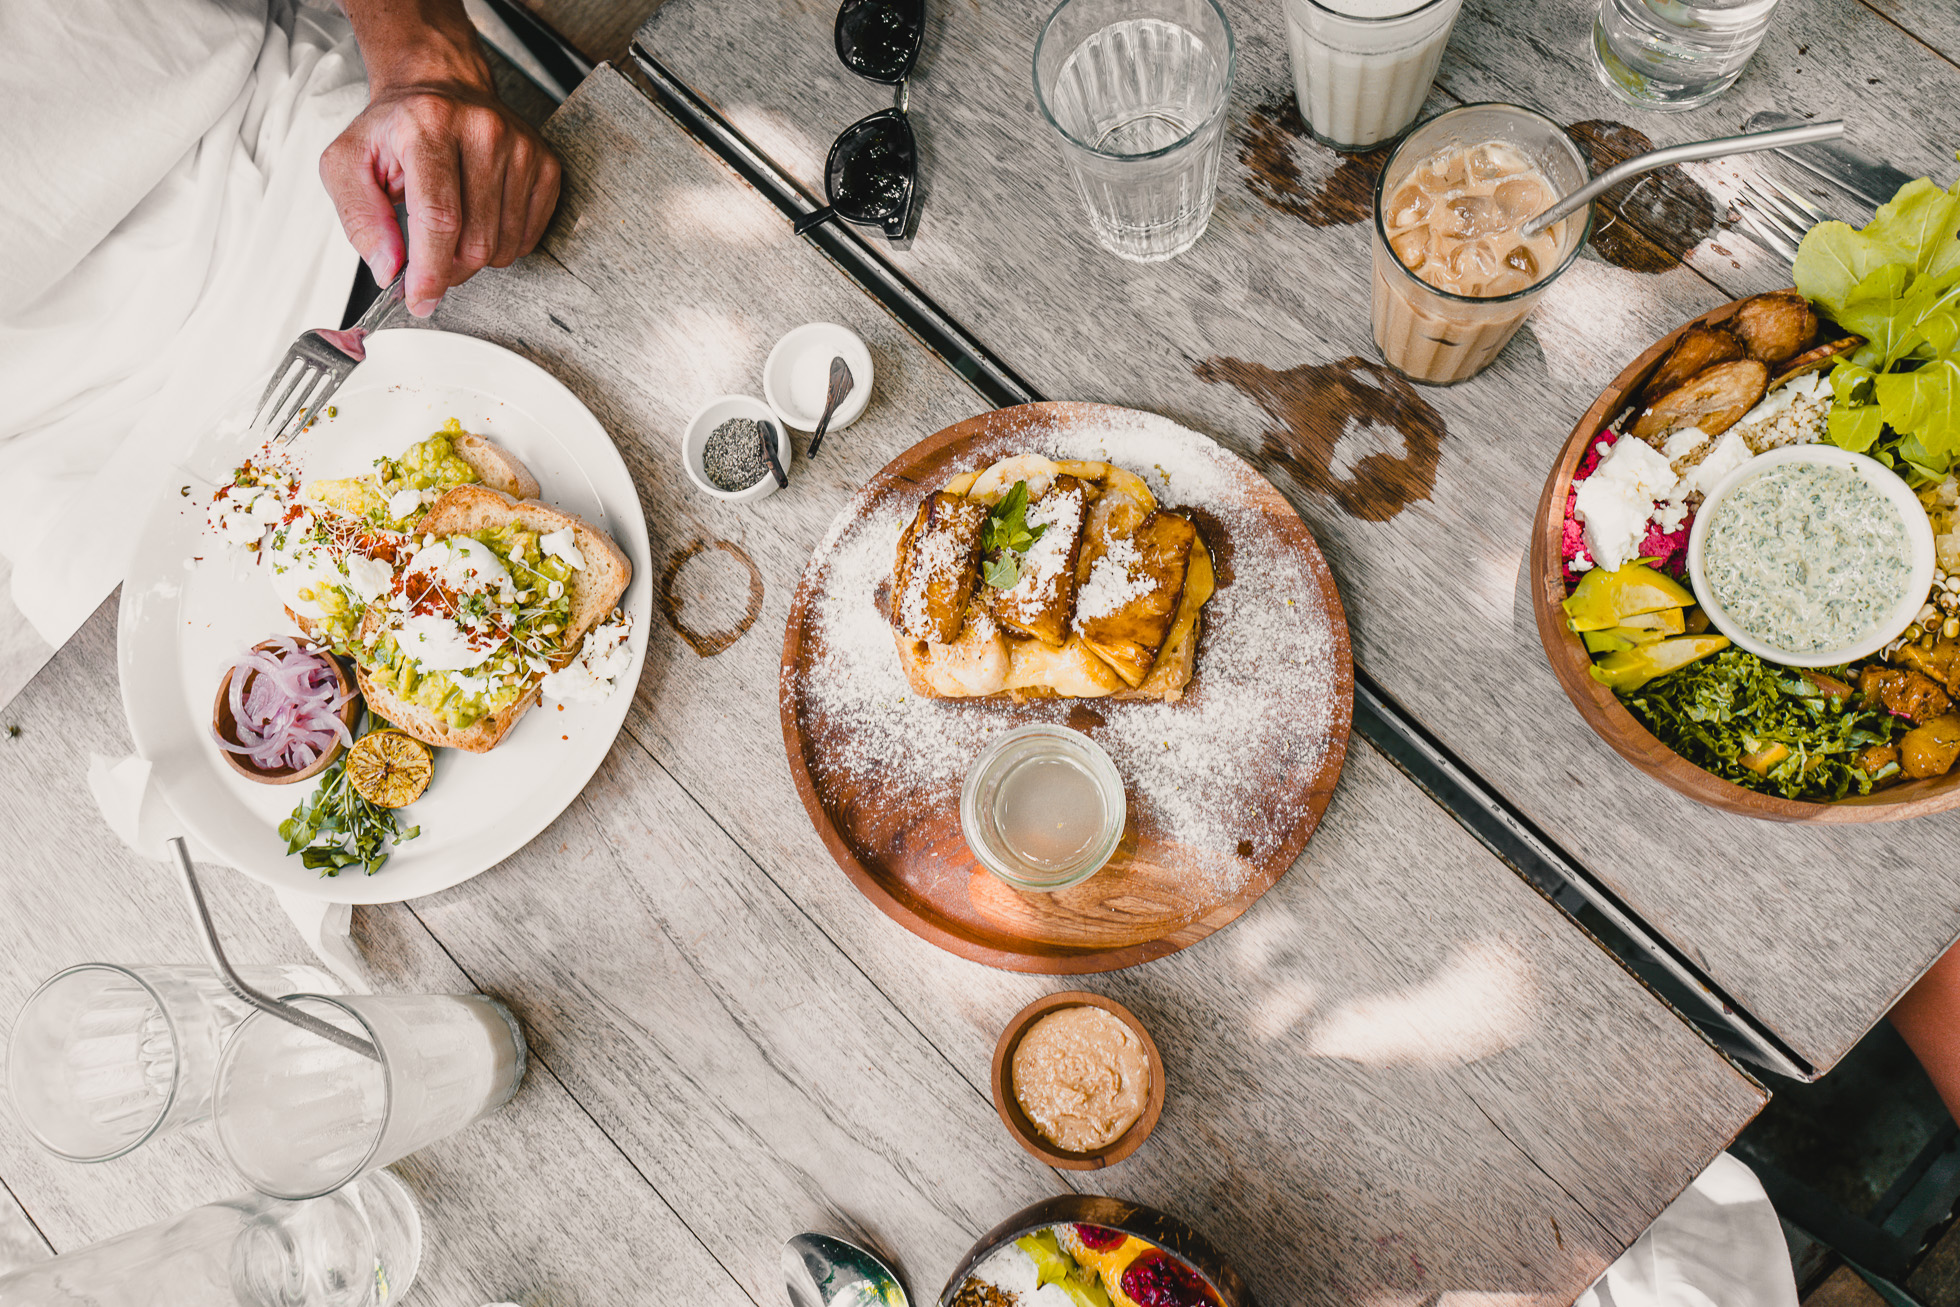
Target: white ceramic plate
[{"x": 181, "y": 623}]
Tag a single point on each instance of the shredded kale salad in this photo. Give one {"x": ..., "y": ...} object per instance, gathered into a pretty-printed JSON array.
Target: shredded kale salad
[{"x": 1722, "y": 709}]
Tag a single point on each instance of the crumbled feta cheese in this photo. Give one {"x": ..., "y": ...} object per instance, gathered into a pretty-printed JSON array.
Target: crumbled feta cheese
[
  {"x": 562, "y": 544},
  {"x": 1683, "y": 443},
  {"x": 602, "y": 659},
  {"x": 369, "y": 578},
  {"x": 1730, "y": 453},
  {"x": 403, "y": 502},
  {"x": 1616, "y": 502}
]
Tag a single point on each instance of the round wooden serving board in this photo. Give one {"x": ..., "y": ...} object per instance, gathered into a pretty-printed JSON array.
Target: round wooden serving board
[
  {"x": 886, "y": 800},
  {"x": 1603, "y": 710}
]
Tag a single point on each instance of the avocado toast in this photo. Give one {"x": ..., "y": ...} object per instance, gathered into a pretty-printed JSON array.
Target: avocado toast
[{"x": 500, "y": 592}]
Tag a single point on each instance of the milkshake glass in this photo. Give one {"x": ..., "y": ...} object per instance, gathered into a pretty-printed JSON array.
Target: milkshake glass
[
  {"x": 299, "y": 1117},
  {"x": 1362, "y": 68},
  {"x": 1441, "y": 337}
]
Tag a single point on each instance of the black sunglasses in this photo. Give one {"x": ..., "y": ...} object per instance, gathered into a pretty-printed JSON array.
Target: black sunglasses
[{"x": 872, "y": 174}]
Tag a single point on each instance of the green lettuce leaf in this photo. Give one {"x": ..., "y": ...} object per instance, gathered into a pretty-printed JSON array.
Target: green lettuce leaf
[
  {"x": 1896, "y": 283},
  {"x": 1919, "y": 230}
]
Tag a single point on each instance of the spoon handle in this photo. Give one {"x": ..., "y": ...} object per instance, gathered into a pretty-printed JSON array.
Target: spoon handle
[{"x": 1747, "y": 143}]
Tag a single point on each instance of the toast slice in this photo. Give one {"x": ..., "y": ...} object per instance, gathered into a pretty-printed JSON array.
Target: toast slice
[
  {"x": 1131, "y": 591},
  {"x": 595, "y": 593},
  {"x": 938, "y": 566},
  {"x": 498, "y": 467},
  {"x": 1042, "y": 600}
]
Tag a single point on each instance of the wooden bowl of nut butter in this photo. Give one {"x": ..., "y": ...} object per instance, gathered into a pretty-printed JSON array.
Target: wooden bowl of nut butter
[{"x": 1077, "y": 1080}]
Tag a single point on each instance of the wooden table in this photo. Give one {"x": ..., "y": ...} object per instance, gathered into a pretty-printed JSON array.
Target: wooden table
[
  {"x": 1402, "y": 1073},
  {"x": 1422, "y": 497}
]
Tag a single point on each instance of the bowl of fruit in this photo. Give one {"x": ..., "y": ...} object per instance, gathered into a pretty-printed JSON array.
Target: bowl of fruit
[{"x": 1083, "y": 1250}]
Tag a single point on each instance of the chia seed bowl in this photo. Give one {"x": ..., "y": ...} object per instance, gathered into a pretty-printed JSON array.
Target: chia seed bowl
[{"x": 695, "y": 442}]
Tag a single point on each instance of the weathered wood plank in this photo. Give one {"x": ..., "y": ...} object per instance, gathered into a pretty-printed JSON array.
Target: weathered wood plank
[
  {"x": 512, "y": 1207},
  {"x": 20, "y": 1243},
  {"x": 1334, "y": 1118},
  {"x": 1260, "y": 336}
]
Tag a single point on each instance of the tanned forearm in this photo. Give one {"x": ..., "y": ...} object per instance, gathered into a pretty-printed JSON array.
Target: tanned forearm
[{"x": 418, "y": 43}]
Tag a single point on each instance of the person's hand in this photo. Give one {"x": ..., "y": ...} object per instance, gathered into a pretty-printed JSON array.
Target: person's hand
[{"x": 479, "y": 184}]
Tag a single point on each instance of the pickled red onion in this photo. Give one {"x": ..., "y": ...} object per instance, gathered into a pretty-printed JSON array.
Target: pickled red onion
[{"x": 285, "y": 701}]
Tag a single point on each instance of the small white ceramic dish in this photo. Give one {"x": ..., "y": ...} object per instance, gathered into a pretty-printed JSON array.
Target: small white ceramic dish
[
  {"x": 712, "y": 414},
  {"x": 796, "y": 376},
  {"x": 1919, "y": 535}
]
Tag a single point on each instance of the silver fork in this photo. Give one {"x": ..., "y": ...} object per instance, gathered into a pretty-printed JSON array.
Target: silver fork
[
  {"x": 316, "y": 365},
  {"x": 1776, "y": 217}
]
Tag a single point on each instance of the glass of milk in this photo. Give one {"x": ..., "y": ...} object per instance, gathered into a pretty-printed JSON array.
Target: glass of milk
[
  {"x": 299, "y": 1117},
  {"x": 1362, "y": 68},
  {"x": 104, "y": 1058}
]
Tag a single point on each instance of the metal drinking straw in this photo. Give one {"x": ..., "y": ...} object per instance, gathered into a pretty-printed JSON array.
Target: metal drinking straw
[
  {"x": 1748, "y": 143},
  {"x": 214, "y": 952}
]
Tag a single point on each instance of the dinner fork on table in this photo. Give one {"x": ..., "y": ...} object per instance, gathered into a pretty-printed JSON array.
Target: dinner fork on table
[
  {"x": 1774, "y": 216},
  {"x": 316, "y": 366}
]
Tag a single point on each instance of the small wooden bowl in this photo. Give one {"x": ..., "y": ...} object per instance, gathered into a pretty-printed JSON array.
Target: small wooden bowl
[
  {"x": 1017, "y": 1121},
  {"x": 1602, "y": 709},
  {"x": 227, "y": 727}
]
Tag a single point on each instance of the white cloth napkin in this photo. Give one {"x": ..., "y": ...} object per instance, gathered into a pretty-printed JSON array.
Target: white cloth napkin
[
  {"x": 1718, "y": 1245},
  {"x": 166, "y": 238},
  {"x": 141, "y": 818}
]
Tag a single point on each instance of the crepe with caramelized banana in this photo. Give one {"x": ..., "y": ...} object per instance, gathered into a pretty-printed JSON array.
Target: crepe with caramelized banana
[{"x": 1037, "y": 578}]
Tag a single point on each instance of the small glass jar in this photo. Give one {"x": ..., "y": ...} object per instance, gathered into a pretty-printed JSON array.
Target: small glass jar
[{"x": 1043, "y": 808}]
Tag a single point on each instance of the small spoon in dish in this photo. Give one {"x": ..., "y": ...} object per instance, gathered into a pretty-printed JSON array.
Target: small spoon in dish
[
  {"x": 841, "y": 382},
  {"x": 768, "y": 435}
]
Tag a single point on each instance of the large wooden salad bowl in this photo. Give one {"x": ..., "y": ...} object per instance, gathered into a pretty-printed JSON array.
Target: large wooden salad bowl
[{"x": 1603, "y": 711}]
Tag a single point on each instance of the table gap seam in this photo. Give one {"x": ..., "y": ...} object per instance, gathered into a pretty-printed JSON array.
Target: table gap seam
[{"x": 28, "y": 1216}]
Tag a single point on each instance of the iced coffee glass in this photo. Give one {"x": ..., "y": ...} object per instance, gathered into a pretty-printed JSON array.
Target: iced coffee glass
[{"x": 1453, "y": 278}]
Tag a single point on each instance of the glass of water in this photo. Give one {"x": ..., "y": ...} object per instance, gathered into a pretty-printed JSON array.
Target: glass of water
[
  {"x": 299, "y": 1117},
  {"x": 104, "y": 1058},
  {"x": 1676, "y": 54},
  {"x": 360, "y": 1247},
  {"x": 1136, "y": 92}
]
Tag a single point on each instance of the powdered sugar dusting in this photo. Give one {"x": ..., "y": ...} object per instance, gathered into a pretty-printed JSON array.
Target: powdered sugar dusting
[{"x": 1222, "y": 777}]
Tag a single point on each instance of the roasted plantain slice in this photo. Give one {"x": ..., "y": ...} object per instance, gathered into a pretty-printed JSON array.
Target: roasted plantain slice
[
  {"x": 938, "y": 564},
  {"x": 1813, "y": 360},
  {"x": 1129, "y": 600},
  {"x": 1775, "y": 326},
  {"x": 1042, "y": 599},
  {"x": 1699, "y": 348},
  {"x": 1714, "y": 400}
]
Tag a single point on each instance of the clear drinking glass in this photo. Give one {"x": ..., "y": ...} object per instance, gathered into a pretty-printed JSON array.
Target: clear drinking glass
[
  {"x": 1362, "y": 68},
  {"x": 299, "y": 1117},
  {"x": 1043, "y": 807},
  {"x": 1675, "y": 54},
  {"x": 360, "y": 1247},
  {"x": 104, "y": 1057},
  {"x": 1136, "y": 93},
  {"x": 1437, "y": 336}
]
